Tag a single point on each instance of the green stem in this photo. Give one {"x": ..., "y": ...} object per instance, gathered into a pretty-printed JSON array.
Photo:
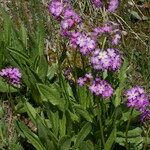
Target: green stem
[
  {"x": 127, "y": 128},
  {"x": 100, "y": 123},
  {"x": 145, "y": 143},
  {"x": 104, "y": 42}
]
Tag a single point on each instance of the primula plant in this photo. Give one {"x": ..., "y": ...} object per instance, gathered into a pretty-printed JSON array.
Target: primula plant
[{"x": 66, "y": 81}]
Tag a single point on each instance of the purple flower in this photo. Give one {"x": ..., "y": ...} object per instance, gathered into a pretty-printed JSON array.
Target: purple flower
[
  {"x": 145, "y": 115},
  {"x": 86, "y": 44},
  {"x": 67, "y": 24},
  {"x": 83, "y": 80},
  {"x": 67, "y": 71},
  {"x": 137, "y": 98},
  {"x": 65, "y": 33},
  {"x": 116, "y": 39},
  {"x": 12, "y": 75},
  {"x": 106, "y": 60},
  {"x": 56, "y": 8},
  {"x": 73, "y": 39},
  {"x": 97, "y": 3},
  {"x": 69, "y": 13},
  {"x": 113, "y": 5},
  {"x": 101, "y": 88},
  {"x": 102, "y": 30}
]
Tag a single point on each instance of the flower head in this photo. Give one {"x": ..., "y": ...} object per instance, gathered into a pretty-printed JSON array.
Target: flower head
[
  {"x": 69, "y": 13},
  {"x": 137, "y": 98},
  {"x": 83, "y": 80},
  {"x": 86, "y": 44},
  {"x": 113, "y": 5},
  {"x": 97, "y": 3},
  {"x": 106, "y": 60},
  {"x": 101, "y": 88},
  {"x": 12, "y": 75},
  {"x": 145, "y": 115},
  {"x": 56, "y": 8}
]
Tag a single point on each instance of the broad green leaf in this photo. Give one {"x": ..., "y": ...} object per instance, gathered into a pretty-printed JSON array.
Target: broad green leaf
[
  {"x": 122, "y": 80},
  {"x": 64, "y": 143},
  {"x": 24, "y": 35},
  {"x": 42, "y": 67},
  {"x": 83, "y": 113},
  {"x": 73, "y": 116},
  {"x": 90, "y": 144},
  {"x": 84, "y": 98},
  {"x": 82, "y": 134},
  {"x": 5, "y": 87},
  {"x": 1, "y": 54},
  {"x": 125, "y": 115},
  {"x": 31, "y": 111},
  {"x": 40, "y": 39},
  {"x": 52, "y": 70},
  {"x": 33, "y": 138},
  {"x": 43, "y": 127},
  {"x": 54, "y": 117},
  {"x": 86, "y": 146},
  {"x": 7, "y": 26},
  {"x": 43, "y": 134},
  {"x": 111, "y": 139},
  {"x": 62, "y": 125},
  {"x": 51, "y": 94},
  {"x": 19, "y": 54}
]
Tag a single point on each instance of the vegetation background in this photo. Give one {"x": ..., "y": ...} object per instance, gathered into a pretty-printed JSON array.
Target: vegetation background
[{"x": 46, "y": 113}]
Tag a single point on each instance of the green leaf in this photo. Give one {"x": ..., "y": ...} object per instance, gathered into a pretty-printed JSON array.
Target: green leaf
[
  {"x": 42, "y": 67},
  {"x": 24, "y": 36},
  {"x": 19, "y": 54},
  {"x": 1, "y": 55},
  {"x": 51, "y": 94},
  {"x": 125, "y": 115},
  {"x": 31, "y": 111},
  {"x": 86, "y": 146},
  {"x": 111, "y": 139},
  {"x": 5, "y": 87},
  {"x": 83, "y": 113},
  {"x": 62, "y": 126},
  {"x": 43, "y": 134},
  {"x": 82, "y": 134},
  {"x": 122, "y": 80},
  {"x": 84, "y": 97},
  {"x": 40, "y": 38},
  {"x": 42, "y": 123},
  {"x": 64, "y": 143},
  {"x": 135, "y": 15},
  {"x": 52, "y": 70},
  {"x": 7, "y": 26},
  {"x": 33, "y": 138},
  {"x": 54, "y": 117},
  {"x": 73, "y": 116}
]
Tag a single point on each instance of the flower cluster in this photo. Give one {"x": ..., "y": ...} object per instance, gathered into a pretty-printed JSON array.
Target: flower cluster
[
  {"x": 101, "y": 88},
  {"x": 72, "y": 27},
  {"x": 98, "y": 87},
  {"x": 84, "y": 42},
  {"x": 106, "y": 60},
  {"x": 63, "y": 12},
  {"x": 138, "y": 99},
  {"x": 112, "y": 5},
  {"x": 12, "y": 75},
  {"x": 109, "y": 29}
]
